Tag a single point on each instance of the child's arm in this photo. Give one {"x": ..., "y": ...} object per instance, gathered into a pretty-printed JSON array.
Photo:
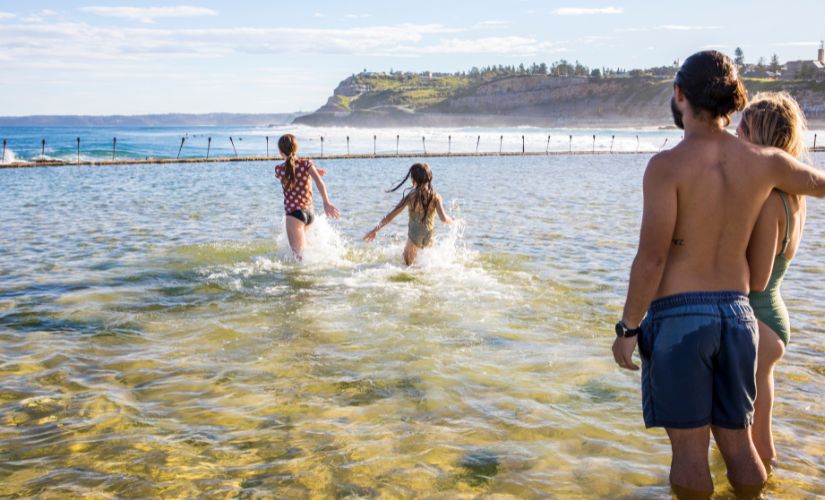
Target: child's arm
[
  {"x": 329, "y": 208},
  {"x": 441, "y": 213},
  {"x": 387, "y": 219}
]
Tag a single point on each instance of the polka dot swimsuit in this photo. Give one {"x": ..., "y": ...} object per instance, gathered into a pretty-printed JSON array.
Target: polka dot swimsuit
[{"x": 297, "y": 194}]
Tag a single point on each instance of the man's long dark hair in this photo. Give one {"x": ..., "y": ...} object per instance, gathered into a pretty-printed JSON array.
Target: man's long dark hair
[{"x": 711, "y": 82}]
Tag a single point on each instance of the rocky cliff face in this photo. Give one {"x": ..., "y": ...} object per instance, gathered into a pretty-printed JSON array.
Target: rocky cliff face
[{"x": 528, "y": 100}]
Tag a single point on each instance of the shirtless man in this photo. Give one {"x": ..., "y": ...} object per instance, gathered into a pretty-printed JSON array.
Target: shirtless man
[{"x": 698, "y": 340}]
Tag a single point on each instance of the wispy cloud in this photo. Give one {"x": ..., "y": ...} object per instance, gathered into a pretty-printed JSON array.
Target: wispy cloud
[
  {"x": 506, "y": 45},
  {"x": 797, "y": 44},
  {"x": 587, "y": 11},
  {"x": 150, "y": 14},
  {"x": 668, "y": 27},
  {"x": 682, "y": 27},
  {"x": 55, "y": 41},
  {"x": 357, "y": 16},
  {"x": 491, "y": 24},
  {"x": 319, "y": 14},
  {"x": 6, "y": 15}
]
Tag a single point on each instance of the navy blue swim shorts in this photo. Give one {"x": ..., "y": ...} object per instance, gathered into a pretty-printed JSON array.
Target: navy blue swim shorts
[{"x": 698, "y": 355}]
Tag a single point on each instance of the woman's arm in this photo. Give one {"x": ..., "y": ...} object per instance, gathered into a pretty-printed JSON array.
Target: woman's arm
[
  {"x": 329, "y": 208},
  {"x": 441, "y": 213},
  {"x": 387, "y": 219},
  {"x": 762, "y": 248}
]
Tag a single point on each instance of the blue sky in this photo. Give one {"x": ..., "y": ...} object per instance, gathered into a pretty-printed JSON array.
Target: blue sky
[{"x": 133, "y": 57}]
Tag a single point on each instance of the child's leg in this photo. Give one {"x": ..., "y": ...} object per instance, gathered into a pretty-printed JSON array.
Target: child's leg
[
  {"x": 295, "y": 235},
  {"x": 770, "y": 351},
  {"x": 410, "y": 252}
]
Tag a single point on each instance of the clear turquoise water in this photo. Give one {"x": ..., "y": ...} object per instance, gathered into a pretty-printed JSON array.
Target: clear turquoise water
[{"x": 157, "y": 340}]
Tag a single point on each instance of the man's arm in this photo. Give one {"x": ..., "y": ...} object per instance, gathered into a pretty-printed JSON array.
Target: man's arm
[
  {"x": 656, "y": 236},
  {"x": 794, "y": 177}
]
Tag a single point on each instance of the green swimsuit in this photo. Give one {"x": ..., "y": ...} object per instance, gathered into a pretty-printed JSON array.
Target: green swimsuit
[
  {"x": 768, "y": 305},
  {"x": 421, "y": 227}
]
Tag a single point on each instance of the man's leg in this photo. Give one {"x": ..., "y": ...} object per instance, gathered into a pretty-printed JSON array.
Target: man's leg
[
  {"x": 689, "y": 469},
  {"x": 745, "y": 470}
]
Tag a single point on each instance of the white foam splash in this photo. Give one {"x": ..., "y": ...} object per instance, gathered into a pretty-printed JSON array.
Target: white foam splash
[{"x": 10, "y": 157}]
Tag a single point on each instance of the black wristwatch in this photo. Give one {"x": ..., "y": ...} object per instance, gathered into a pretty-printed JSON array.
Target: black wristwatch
[{"x": 623, "y": 331}]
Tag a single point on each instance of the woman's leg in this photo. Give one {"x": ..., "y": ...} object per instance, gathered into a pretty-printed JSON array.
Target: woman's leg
[
  {"x": 410, "y": 252},
  {"x": 771, "y": 349},
  {"x": 295, "y": 235}
]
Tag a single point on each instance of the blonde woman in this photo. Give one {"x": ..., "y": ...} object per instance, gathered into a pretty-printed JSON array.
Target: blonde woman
[{"x": 772, "y": 119}]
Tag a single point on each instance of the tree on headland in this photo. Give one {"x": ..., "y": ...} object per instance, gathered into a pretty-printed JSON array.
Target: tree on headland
[
  {"x": 739, "y": 56},
  {"x": 775, "y": 66},
  {"x": 760, "y": 66}
]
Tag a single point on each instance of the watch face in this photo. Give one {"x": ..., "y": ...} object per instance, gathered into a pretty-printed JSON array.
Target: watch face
[{"x": 620, "y": 329}]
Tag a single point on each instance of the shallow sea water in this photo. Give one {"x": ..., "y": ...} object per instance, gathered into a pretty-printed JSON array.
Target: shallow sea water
[{"x": 157, "y": 339}]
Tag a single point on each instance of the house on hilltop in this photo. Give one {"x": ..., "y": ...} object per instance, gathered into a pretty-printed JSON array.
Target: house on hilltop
[{"x": 807, "y": 70}]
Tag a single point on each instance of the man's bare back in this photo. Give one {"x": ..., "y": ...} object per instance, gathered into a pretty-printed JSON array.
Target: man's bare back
[{"x": 720, "y": 184}]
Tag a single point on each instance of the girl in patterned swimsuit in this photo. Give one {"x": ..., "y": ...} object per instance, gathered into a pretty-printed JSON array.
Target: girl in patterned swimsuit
[
  {"x": 422, "y": 203},
  {"x": 772, "y": 119},
  {"x": 295, "y": 175}
]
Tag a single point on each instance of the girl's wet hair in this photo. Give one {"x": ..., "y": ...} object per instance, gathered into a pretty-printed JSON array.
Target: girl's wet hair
[
  {"x": 711, "y": 83},
  {"x": 288, "y": 145},
  {"x": 423, "y": 193},
  {"x": 775, "y": 119}
]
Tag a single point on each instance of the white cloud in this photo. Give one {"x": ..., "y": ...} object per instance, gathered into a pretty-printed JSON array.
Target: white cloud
[
  {"x": 149, "y": 14},
  {"x": 47, "y": 12},
  {"x": 508, "y": 45},
  {"x": 586, "y": 11},
  {"x": 681, "y": 27},
  {"x": 357, "y": 16},
  {"x": 797, "y": 44},
  {"x": 53, "y": 41},
  {"x": 6, "y": 15},
  {"x": 491, "y": 24},
  {"x": 319, "y": 14},
  {"x": 668, "y": 27}
]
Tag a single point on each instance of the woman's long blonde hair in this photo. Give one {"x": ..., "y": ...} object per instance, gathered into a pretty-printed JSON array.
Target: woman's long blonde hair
[{"x": 775, "y": 119}]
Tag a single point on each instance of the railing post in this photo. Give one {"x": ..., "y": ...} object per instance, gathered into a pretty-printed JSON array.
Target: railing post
[
  {"x": 267, "y": 146},
  {"x": 43, "y": 149},
  {"x": 814, "y": 141},
  {"x": 78, "y": 150},
  {"x": 612, "y": 139},
  {"x": 547, "y": 148},
  {"x": 594, "y": 143},
  {"x": 374, "y": 146},
  {"x": 114, "y": 147},
  {"x": 3, "y": 159},
  {"x": 478, "y": 141},
  {"x": 347, "y": 145},
  {"x": 522, "y": 145},
  {"x": 500, "y": 144},
  {"x": 322, "y": 145},
  {"x": 397, "y": 142},
  {"x": 449, "y": 144},
  {"x": 182, "y": 140},
  {"x": 424, "y": 143},
  {"x": 208, "y": 147},
  {"x": 233, "y": 146},
  {"x": 637, "y": 143},
  {"x": 571, "y": 143}
]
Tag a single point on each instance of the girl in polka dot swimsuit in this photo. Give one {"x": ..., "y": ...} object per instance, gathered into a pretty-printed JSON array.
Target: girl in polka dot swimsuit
[{"x": 295, "y": 175}]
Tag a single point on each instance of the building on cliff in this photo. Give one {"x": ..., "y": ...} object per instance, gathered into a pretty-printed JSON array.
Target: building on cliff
[{"x": 806, "y": 69}]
